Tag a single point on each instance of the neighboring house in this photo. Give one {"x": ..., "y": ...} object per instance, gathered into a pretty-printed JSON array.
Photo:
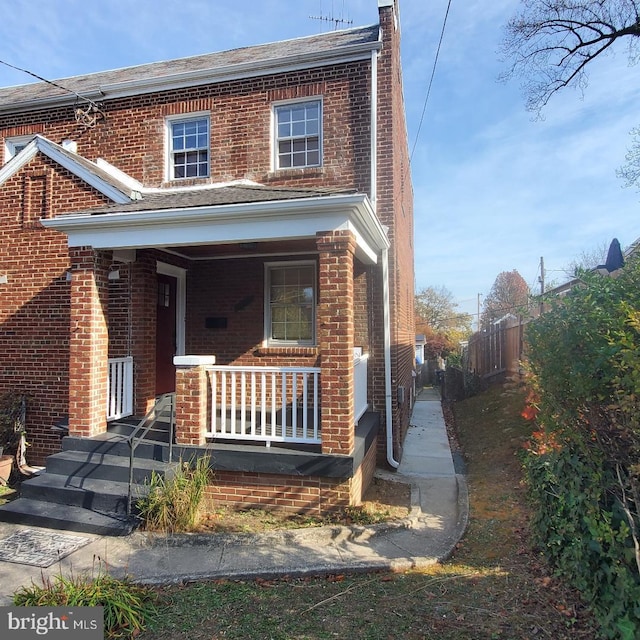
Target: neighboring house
[{"x": 235, "y": 228}]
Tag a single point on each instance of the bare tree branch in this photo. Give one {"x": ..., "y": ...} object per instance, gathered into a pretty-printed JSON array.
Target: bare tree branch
[{"x": 552, "y": 42}]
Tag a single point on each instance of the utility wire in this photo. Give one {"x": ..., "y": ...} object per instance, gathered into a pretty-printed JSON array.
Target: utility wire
[
  {"x": 53, "y": 84},
  {"x": 433, "y": 73}
]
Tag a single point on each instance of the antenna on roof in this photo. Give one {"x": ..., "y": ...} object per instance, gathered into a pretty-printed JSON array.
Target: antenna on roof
[{"x": 331, "y": 18}]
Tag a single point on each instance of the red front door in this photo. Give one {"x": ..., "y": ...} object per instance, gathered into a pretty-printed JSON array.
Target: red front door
[{"x": 166, "y": 334}]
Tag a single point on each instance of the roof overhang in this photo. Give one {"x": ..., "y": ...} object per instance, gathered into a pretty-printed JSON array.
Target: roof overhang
[
  {"x": 232, "y": 72},
  {"x": 224, "y": 224}
]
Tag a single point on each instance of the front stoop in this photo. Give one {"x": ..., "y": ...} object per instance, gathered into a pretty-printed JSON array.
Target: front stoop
[{"x": 85, "y": 487}]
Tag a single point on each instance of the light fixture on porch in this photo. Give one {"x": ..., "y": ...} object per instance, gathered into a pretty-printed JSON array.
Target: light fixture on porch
[{"x": 114, "y": 274}]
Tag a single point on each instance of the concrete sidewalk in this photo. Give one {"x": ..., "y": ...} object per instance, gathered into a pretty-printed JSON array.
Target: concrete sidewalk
[{"x": 437, "y": 521}]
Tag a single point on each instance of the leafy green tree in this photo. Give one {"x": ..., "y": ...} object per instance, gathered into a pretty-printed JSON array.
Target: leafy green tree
[{"x": 438, "y": 319}]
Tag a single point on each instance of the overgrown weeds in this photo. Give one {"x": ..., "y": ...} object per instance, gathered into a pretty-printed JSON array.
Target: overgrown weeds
[
  {"x": 173, "y": 502},
  {"x": 127, "y": 607}
]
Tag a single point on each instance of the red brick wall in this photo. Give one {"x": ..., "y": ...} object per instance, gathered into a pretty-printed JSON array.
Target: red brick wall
[
  {"x": 34, "y": 304},
  {"x": 132, "y": 136},
  {"x": 293, "y": 494},
  {"x": 233, "y": 290},
  {"x": 395, "y": 209}
]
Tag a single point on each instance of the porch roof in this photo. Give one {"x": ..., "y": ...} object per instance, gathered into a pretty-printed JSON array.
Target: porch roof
[{"x": 236, "y": 213}]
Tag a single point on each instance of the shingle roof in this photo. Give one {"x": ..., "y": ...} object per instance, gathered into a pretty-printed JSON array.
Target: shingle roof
[
  {"x": 219, "y": 195},
  {"x": 260, "y": 55}
]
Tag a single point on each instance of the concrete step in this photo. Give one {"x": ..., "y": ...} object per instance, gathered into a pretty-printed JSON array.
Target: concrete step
[
  {"x": 159, "y": 431},
  {"x": 103, "y": 496},
  {"x": 117, "y": 445},
  {"x": 103, "y": 466},
  {"x": 39, "y": 513}
]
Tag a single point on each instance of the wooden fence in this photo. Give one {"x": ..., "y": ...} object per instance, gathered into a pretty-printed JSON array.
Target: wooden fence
[{"x": 497, "y": 350}]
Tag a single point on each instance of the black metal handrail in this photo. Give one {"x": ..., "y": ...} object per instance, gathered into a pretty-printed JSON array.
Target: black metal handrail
[{"x": 136, "y": 437}]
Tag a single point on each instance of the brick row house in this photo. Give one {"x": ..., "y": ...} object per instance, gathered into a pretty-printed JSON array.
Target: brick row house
[{"x": 232, "y": 232}]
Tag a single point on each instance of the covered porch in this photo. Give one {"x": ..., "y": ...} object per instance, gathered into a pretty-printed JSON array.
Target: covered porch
[{"x": 234, "y": 385}]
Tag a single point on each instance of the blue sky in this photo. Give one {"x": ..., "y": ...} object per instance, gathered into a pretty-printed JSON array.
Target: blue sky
[{"x": 494, "y": 189}]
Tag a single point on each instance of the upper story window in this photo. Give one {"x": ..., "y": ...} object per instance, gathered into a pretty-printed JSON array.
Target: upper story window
[
  {"x": 298, "y": 132},
  {"x": 13, "y": 146},
  {"x": 188, "y": 147},
  {"x": 291, "y": 303}
]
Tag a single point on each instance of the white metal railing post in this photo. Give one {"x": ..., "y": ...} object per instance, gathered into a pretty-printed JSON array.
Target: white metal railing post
[
  {"x": 119, "y": 388},
  {"x": 360, "y": 366},
  {"x": 268, "y": 404}
]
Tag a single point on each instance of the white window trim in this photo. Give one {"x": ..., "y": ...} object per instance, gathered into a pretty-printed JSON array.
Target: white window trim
[
  {"x": 12, "y": 142},
  {"x": 268, "y": 266},
  {"x": 274, "y": 132},
  {"x": 168, "y": 158}
]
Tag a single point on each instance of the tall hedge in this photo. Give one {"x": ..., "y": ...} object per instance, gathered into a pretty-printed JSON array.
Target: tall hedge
[{"x": 584, "y": 462}]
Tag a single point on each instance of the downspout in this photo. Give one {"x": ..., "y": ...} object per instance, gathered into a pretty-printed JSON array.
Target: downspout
[{"x": 387, "y": 359}]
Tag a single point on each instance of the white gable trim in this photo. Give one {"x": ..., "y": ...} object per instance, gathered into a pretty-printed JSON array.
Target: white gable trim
[
  {"x": 251, "y": 222},
  {"x": 57, "y": 154}
]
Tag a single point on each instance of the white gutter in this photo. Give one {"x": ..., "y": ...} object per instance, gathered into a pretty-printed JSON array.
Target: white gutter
[{"x": 387, "y": 359}]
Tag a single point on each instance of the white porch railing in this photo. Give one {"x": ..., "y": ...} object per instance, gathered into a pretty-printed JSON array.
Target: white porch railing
[
  {"x": 360, "y": 365},
  {"x": 267, "y": 404},
  {"x": 120, "y": 388}
]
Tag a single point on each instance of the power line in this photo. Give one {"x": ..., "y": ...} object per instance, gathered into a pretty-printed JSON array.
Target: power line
[
  {"x": 87, "y": 117},
  {"x": 433, "y": 73}
]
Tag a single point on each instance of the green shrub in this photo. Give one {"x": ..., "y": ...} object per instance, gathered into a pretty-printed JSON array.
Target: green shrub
[
  {"x": 173, "y": 502},
  {"x": 582, "y": 471},
  {"x": 127, "y": 607}
]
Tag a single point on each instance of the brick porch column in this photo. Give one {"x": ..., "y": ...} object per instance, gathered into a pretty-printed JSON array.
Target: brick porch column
[
  {"x": 144, "y": 292},
  {"x": 88, "y": 342},
  {"x": 191, "y": 398},
  {"x": 336, "y": 340}
]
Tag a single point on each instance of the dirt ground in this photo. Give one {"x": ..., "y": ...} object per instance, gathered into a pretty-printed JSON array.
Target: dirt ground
[{"x": 385, "y": 500}]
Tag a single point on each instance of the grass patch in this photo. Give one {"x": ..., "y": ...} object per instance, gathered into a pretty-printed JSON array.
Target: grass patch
[
  {"x": 127, "y": 607},
  {"x": 494, "y": 587}
]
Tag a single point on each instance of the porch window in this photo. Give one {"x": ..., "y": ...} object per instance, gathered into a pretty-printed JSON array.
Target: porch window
[
  {"x": 298, "y": 134},
  {"x": 188, "y": 146},
  {"x": 291, "y": 303}
]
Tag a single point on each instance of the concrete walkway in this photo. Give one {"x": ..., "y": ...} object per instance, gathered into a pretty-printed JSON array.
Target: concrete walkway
[{"x": 437, "y": 521}]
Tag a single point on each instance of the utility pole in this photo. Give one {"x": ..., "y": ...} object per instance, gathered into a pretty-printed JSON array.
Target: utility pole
[
  {"x": 541, "y": 281},
  {"x": 478, "y": 316}
]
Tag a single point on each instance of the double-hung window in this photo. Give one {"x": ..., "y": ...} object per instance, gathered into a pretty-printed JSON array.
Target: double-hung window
[
  {"x": 290, "y": 303},
  {"x": 298, "y": 132},
  {"x": 188, "y": 147}
]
